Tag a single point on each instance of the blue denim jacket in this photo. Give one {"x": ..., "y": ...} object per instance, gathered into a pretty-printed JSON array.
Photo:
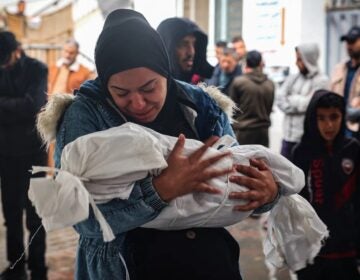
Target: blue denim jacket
[{"x": 90, "y": 112}]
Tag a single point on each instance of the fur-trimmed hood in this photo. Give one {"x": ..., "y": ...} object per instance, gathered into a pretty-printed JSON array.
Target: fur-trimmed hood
[{"x": 50, "y": 115}]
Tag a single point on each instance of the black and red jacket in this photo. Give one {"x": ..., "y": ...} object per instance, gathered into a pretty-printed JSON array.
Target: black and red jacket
[{"x": 332, "y": 183}]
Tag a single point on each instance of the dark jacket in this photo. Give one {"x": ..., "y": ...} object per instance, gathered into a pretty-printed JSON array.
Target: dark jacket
[
  {"x": 332, "y": 182},
  {"x": 172, "y": 30},
  {"x": 253, "y": 93},
  {"x": 22, "y": 94},
  {"x": 216, "y": 78}
]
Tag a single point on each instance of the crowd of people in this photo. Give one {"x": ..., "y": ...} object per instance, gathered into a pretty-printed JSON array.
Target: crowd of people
[{"x": 161, "y": 79}]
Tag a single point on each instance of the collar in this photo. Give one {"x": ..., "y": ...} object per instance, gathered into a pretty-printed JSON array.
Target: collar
[
  {"x": 350, "y": 67},
  {"x": 181, "y": 95},
  {"x": 73, "y": 67}
]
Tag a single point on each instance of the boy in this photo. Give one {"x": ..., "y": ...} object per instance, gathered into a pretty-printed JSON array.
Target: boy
[{"x": 331, "y": 166}]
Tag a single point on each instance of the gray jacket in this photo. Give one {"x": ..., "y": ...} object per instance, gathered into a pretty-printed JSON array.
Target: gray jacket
[{"x": 294, "y": 95}]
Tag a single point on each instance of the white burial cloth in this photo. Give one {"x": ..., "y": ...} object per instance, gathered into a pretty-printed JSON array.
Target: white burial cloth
[{"x": 104, "y": 165}]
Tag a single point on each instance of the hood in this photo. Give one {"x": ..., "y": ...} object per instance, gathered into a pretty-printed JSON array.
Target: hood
[
  {"x": 50, "y": 116},
  {"x": 223, "y": 101},
  {"x": 310, "y": 54},
  {"x": 47, "y": 120},
  {"x": 311, "y": 136},
  {"x": 172, "y": 30},
  {"x": 257, "y": 76}
]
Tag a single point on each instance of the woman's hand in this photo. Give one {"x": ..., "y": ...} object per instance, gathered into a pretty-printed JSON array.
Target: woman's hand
[
  {"x": 260, "y": 182},
  {"x": 186, "y": 174}
]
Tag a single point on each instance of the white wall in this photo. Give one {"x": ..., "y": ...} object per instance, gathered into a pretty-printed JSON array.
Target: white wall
[
  {"x": 313, "y": 26},
  {"x": 89, "y": 22},
  {"x": 304, "y": 23},
  {"x": 156, "y": 11}
]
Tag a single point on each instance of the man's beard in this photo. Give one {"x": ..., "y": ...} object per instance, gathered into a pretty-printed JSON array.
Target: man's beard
[
  {"x": 304, "y": 71},
  {"x": 354, "y": 54},
  {"x": 67, "y": 62}
]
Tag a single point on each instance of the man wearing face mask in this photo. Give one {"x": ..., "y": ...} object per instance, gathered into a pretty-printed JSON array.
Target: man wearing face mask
[
  {"x": 68, "y": 74},
  {"x": 186, "y": 44},
  {"x": 23, "y": 82},
  {"x": 345, "y": 79},
  {"x": 295, "y": 94}
]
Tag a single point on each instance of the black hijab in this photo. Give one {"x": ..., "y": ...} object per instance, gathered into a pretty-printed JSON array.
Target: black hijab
[{"x": 128, "y": 41}]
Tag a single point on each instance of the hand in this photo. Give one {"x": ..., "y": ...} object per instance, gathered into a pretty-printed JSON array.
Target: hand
[
  {"x": 260, "y": 182},
  {"x": 355, "y": 102},
  {"x": 186, "y": 174}
]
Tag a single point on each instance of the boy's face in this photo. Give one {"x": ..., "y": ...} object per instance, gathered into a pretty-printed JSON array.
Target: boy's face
[{"x": 328, "y": 122}]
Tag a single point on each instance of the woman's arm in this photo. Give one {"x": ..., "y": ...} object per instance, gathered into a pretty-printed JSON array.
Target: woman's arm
[{"x": 143, "y": 205}]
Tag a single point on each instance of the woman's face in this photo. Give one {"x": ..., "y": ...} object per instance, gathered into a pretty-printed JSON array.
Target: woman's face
[{"x": 139, "y": 93}]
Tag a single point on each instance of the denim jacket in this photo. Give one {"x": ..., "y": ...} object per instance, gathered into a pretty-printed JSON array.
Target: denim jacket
[{"x": 92, "y": 111}]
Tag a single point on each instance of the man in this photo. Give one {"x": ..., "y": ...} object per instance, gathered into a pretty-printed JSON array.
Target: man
[
  {"x": 239, "y": 45},
  {"x": 186, "y": 44},
  {"x": 68, "y": 74},
  {"x": 23, "y": 83},
  {"x": 253, "y": 93},
  {"x": 296, "y": 92},
  {"x": 345, "y": 79},
  {"x": 229, "y": 69},
  {"x": 219, "y": 49}
]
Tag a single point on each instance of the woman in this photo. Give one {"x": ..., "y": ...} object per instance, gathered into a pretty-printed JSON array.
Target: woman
[{"x": 135, "y": 84}]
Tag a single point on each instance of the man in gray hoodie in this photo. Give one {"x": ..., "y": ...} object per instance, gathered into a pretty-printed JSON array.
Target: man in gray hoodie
[{"x": 295, "y": 94}]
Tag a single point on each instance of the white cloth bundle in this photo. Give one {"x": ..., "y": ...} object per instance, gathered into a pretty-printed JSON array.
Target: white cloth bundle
[
  {"x": 294, "y": 231},
  {"x": 104, "y": 165}
]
